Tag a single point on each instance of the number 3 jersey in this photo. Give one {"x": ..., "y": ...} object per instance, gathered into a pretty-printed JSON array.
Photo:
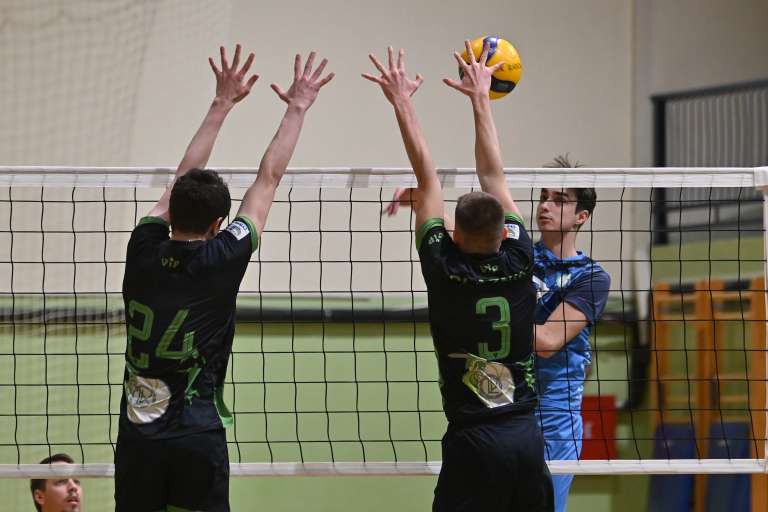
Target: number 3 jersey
[
  {"x": 180, "y": 316},
  {"x": 481, "y": 317}
]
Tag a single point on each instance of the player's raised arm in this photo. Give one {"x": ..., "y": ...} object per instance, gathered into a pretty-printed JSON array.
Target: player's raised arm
[
  {"x": 398, "y": 89},
  {"x": 476, "y": 83},
  {"x": 231, "y": 87},
  {"x": 299, "y": 97}
]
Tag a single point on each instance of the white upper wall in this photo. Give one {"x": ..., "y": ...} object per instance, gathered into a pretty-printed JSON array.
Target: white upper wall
[{"x": 574, "y": 94}]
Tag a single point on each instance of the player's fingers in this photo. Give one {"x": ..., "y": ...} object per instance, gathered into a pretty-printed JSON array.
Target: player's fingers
[
  {"x": 462, "y": 62},
  {"x": 325, "y": 80},
  {"x": 216, "y": 70},
  {"x": 470, "y": 54},
  {"x": 319, "y": 70},
  {"x": 372, "y": 78},
  {"x": 236, "y": 60},
  {"x": 391, "y": 58},
  {"x": 251, "y": 81},
  {"x": 419, "y": 80},
  {"x": 283, "y": 96},
  {"x": 401, "y": 59},
  {"x": 484, "y": 55},
  {"x": 308, "y": 65},
  {"x": 224, "y": 63},
  {"x": 376, "y": 63},
  {"x": 247, "y": 65},
  {"x": 497, "y": 66},
  {"x": 452, "y": 83},
  {"x": 296, "y": 67}
]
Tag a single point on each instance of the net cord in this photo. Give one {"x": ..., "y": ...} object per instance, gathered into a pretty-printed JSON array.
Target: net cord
[
  {"x": 352, "y": 177},
  {"x": 560, "y": 467}
]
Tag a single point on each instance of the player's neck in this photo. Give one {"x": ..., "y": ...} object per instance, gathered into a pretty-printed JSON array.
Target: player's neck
[
  {"x": 562, "y": 245},
  {"x": 181, "y": 236}
]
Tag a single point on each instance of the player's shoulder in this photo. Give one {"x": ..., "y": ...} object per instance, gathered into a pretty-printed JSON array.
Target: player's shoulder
[
  {"x": 432, "y": 234},
  {"x": 591, "y": 273},
  {"x": 153, "y": 225},
  {"x": 243, "y": 227},
  {"x": 594, "y": 267},
  {"x": 149, "y": 233}
]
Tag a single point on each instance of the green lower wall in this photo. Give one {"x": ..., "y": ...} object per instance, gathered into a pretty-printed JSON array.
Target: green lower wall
[{"x": 404, "y": 494}]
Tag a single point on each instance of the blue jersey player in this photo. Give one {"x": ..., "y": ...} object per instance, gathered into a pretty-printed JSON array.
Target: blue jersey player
[{"x": 572, "y": 291}]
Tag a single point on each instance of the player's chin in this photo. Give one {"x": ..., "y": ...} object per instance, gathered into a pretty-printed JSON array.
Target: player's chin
[
  {"x": 547, "y": 225},
  {"x": 72, "y": 506}
]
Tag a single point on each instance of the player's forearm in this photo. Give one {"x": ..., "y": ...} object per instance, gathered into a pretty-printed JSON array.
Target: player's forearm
[
  {"x": 280, "y": 150},
  {"x": 549, "y": 338},
  {"x": 415, "y": 145},
  {"x": 487, "y": 149},
  {"x": 200, "y": 147}
]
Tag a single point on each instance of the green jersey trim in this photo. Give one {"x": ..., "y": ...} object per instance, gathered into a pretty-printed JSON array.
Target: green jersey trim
[
  {"x": 422, "y": 231},
  {"x": 513, "y": 217},
  {"x": 221, "y": 408},
  {"x": 254, "y": 233},
  {"x": 153, "y": 220},
  {"x": 174, "y": 508}
]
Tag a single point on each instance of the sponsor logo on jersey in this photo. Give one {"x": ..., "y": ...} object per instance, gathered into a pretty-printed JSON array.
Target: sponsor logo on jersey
[
  {"x": 487, "y": 268},
  {"x": 239, "y": 229},
  {"x": 512, "y": 231},
  {"x": 435, "y": 238},
  {"x": 169, "y": 262},
  {"x": 541, "y": 288},
  {"x": 146, "y": 399}
]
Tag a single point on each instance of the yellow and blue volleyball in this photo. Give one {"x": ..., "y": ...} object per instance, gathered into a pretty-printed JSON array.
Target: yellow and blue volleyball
[{"x": 506, "y": 78}]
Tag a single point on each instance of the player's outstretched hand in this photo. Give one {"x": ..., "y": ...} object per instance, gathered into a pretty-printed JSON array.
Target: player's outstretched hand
[
  {"x": 394, "y": 80},
  {"x": 476, "y": 76},
  {"x": 405, "y": 197},
  {"x": 306, "y": 84},
  {"x": 230, "y": 84}
]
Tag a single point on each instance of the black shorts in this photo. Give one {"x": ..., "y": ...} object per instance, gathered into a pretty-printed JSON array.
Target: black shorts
[
  {"x": 190, "y": 473},
  {"x": 495, "y": 465}
]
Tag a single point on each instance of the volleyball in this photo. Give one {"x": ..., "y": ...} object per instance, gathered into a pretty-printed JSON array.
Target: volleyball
[{"x": 506, "y": 78}]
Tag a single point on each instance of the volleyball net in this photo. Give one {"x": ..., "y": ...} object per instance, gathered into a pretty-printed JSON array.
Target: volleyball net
[{"x": 333, "y": 369}]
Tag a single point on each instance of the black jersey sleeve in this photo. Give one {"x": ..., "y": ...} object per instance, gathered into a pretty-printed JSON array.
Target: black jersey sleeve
[
  {"x": 517, "y": 243},
  {"x": 149, "y": 232},
  {"x": 433, "y": 243},
  {"x": 234, "y": 245}
]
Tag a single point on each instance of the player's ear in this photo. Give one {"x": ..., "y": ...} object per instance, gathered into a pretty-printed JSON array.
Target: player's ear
[
  {"x": 215, "y": 227},
  {"x": 581, "y": 218},
  {"x": 39, "y": 497},
  {"x": 457, "y": 236}
]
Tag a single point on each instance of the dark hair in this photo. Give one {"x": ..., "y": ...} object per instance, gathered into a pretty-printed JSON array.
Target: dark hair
[
  {"x": 586, "y": 198},
  {"x": 197, "y": 199},
  {"x": 479, "y": 214},
  {"x": 38, "y": 484}
]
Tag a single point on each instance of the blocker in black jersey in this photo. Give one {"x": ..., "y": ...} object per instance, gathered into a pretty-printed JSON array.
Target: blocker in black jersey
[
  {"x": 481, "y": 318},
  {"x": 180, "y": 310}
]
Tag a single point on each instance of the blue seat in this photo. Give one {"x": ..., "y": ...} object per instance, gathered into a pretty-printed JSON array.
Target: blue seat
[
  {"x": 729, "y": 493},
  {"x": 672, "y": 493}
]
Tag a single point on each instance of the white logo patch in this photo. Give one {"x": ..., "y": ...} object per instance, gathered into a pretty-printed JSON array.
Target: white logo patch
[
  {"x": 513, "y": 231},
  {"x": 239, "y": 229},
  {"x": 147, "y": 399},
  {"x": 541, "y": 288}
]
